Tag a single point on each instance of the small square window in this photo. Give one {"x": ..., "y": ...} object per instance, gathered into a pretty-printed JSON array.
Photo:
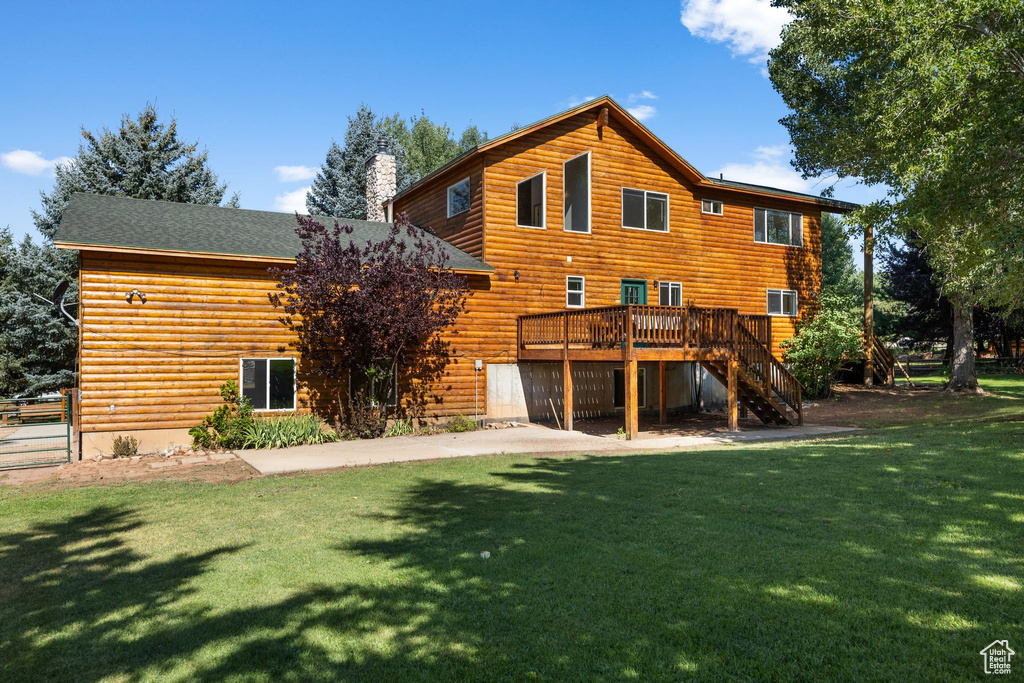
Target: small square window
[
  {"x": 782, "y": 302},
  {"x": 712, "y": 206},
  {"x": 458, "y": 198},
  {"x": 574, "y": 292},
  {"x": 670, "y": 294},
  {"x": 269, "y": 383}
]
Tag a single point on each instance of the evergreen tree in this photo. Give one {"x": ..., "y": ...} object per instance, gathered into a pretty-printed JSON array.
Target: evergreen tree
[
  {"x": 419, "y": 146},
  {"x": 838, "y": 272},
  {"x": 339, "y": 189},
  {"x": 37, "y": 343},
  {"x": 143, "y": 159}
]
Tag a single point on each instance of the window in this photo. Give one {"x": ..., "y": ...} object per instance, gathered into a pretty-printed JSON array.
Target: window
[
  {"x": 574, "y": 294},
  {"x": 577, "y": 194},
  {"x": 619, "y": 399},
  {"x": 782, "y": 302},
  {"x": 778, "y": 227},
  {"x": 530, "y": 202},
  {"x": 458, "y": 198},
  {"x": 644, "y": 210},
  {"x": 269, "y": 383},
  {"x": 711, "y": 206},
  {"x": 633, "y": 292},
  {"x": 670, "y": 294}
]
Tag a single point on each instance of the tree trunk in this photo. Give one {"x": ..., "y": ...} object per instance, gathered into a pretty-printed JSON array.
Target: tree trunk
[{"x": 963, "y": 375}]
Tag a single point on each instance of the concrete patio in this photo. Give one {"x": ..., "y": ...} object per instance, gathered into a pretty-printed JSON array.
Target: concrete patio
[{"x": 526, "y": 438}]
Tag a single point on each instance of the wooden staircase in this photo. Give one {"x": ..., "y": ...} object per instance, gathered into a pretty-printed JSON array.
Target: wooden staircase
[
  {"x": 766, "y": 387},
  {"x": 883, "y": 362}
]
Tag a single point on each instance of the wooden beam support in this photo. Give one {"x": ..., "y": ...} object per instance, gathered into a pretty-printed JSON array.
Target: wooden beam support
[
  {"x": 734, "y": 395},
  {"x": 567, "y": 394},
  {"x": 662, "y": 392},
  {"x": 632, "y": 400}
]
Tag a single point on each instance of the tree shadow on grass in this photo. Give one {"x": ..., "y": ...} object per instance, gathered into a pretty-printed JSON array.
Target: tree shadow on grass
[{"x": 858, "y": 558}]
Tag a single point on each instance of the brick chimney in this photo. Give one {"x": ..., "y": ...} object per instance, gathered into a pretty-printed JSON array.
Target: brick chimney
[{"x": 381, "y": 183}]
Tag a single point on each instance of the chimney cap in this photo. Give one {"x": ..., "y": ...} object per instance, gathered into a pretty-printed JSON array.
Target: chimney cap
[{"x": 382, "y": 146}]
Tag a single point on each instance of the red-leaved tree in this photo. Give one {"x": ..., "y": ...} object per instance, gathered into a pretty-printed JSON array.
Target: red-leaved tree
[{"x": 367, "y": 313}]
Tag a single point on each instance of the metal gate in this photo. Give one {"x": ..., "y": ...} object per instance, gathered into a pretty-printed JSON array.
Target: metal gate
[{"x": 35, "y": 431}]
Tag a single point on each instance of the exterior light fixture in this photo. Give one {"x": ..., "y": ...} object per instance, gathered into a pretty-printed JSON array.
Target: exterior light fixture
[
  {"x": 515, "y": 274},
  {"x": 135, "y": 293}
]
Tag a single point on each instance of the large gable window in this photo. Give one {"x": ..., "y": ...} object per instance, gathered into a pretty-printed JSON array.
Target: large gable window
[
  {"x": 577, "y": 194},
  {"x": 782, "y": 302},
  {"x": 458, "y": 198},
  {"x": 644, "y": 210},
  {"x": 530, "y": 202},
  {"x": 778, "y": 227},
  {"x": 269, "y": 383}
]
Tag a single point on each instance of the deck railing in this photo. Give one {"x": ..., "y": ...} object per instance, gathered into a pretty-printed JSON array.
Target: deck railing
[{"x": 651, "y": 326}]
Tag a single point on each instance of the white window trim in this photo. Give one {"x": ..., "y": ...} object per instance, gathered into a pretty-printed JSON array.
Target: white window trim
[
  {"x": 543, "y": 200},
  {"x": 670, "y": 283},
  {"x": 712, "y": 213},
  {"x": 583, "y": 292},
  {"x": 641, "y": 397},
  {"x": 590, "y": 194},
  {"x": 782, "y": 293},
  {"x": 295, "y": 388},
  {"x": 622, "y": 210},
  {"x": 776, "y": 244},
  {"x": 448, "y": 197}
]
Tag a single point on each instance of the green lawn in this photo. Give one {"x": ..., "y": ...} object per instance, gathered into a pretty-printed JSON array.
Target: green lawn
[{"x": 897, "y": 553}]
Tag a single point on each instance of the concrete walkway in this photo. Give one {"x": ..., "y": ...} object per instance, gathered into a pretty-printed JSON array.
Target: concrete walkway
[{"x": 522, "y": 439}]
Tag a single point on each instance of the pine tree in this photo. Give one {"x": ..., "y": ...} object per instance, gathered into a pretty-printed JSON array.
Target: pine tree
[
  {"x": 339, "y": 189},
  {"x": 144, "y": 159},
  {"x": 37, "y": 343}
]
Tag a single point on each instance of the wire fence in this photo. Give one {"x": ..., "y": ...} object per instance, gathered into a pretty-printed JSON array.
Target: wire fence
[{"x": 35, "y": 431}]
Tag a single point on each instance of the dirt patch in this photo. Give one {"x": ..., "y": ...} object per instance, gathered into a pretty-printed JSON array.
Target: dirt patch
[
  {"x": 111, "y": 472},
  {"x": 860, "y": 406}
]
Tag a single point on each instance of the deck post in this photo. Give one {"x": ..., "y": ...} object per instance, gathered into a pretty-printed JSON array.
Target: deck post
[
  {"x": 566, "y": 375},
  {"x": 734, "y": 396},
  {"x": 632, "y": 417},
  {"x": 662, "y": 392}
]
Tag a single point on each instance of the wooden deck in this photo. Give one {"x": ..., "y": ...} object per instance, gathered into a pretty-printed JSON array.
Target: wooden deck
[{"x": 734, "y": 348}]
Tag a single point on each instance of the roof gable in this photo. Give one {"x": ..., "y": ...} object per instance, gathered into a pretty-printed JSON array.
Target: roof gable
[{"x": 647, "y": 137}]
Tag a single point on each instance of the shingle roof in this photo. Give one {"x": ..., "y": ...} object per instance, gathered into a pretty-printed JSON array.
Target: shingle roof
[{"x": 104, "y": 221}]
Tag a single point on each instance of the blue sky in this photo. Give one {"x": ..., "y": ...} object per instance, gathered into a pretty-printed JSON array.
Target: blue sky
[{"x": 264, "y": 85}]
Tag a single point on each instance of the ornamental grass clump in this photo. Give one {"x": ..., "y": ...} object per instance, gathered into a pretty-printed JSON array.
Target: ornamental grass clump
[{"x": 286, "y": 431}]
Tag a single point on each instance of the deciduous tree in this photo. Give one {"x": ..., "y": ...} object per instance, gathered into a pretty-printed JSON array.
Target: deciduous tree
[{"x": 365, "y": 312}]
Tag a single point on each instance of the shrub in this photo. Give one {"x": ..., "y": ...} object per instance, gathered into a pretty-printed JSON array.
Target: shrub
[
  {"x": 125, "y": 446},
  {"x": 461, "y": 423},
  {"x": 399, "y": 428},
  {"x": 226, "y": 426},
  {"x": 822, "y": 345},
  {"x": 364, "y": 418},
  {"x": 286, "y": 431}
]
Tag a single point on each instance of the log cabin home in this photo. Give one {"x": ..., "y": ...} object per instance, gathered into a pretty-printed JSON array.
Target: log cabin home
[{"x": 607, "y": 276}]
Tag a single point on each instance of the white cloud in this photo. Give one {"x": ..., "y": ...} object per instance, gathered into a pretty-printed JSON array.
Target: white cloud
[
  {"x": 30, "y": 163},
  {"x": 291, "y": 174},
  {"x": 642, "y": 95},
  {"x": 292, "y": 201},
  {"x": 750, "y": 28},
  {"x": 642, "y": 112},
  {"x": 575, "y": 101},
  {"x": 770, "y": 167}
]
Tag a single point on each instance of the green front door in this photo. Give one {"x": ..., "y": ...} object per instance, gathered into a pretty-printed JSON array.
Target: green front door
[{"x": 634, "y": 292}]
